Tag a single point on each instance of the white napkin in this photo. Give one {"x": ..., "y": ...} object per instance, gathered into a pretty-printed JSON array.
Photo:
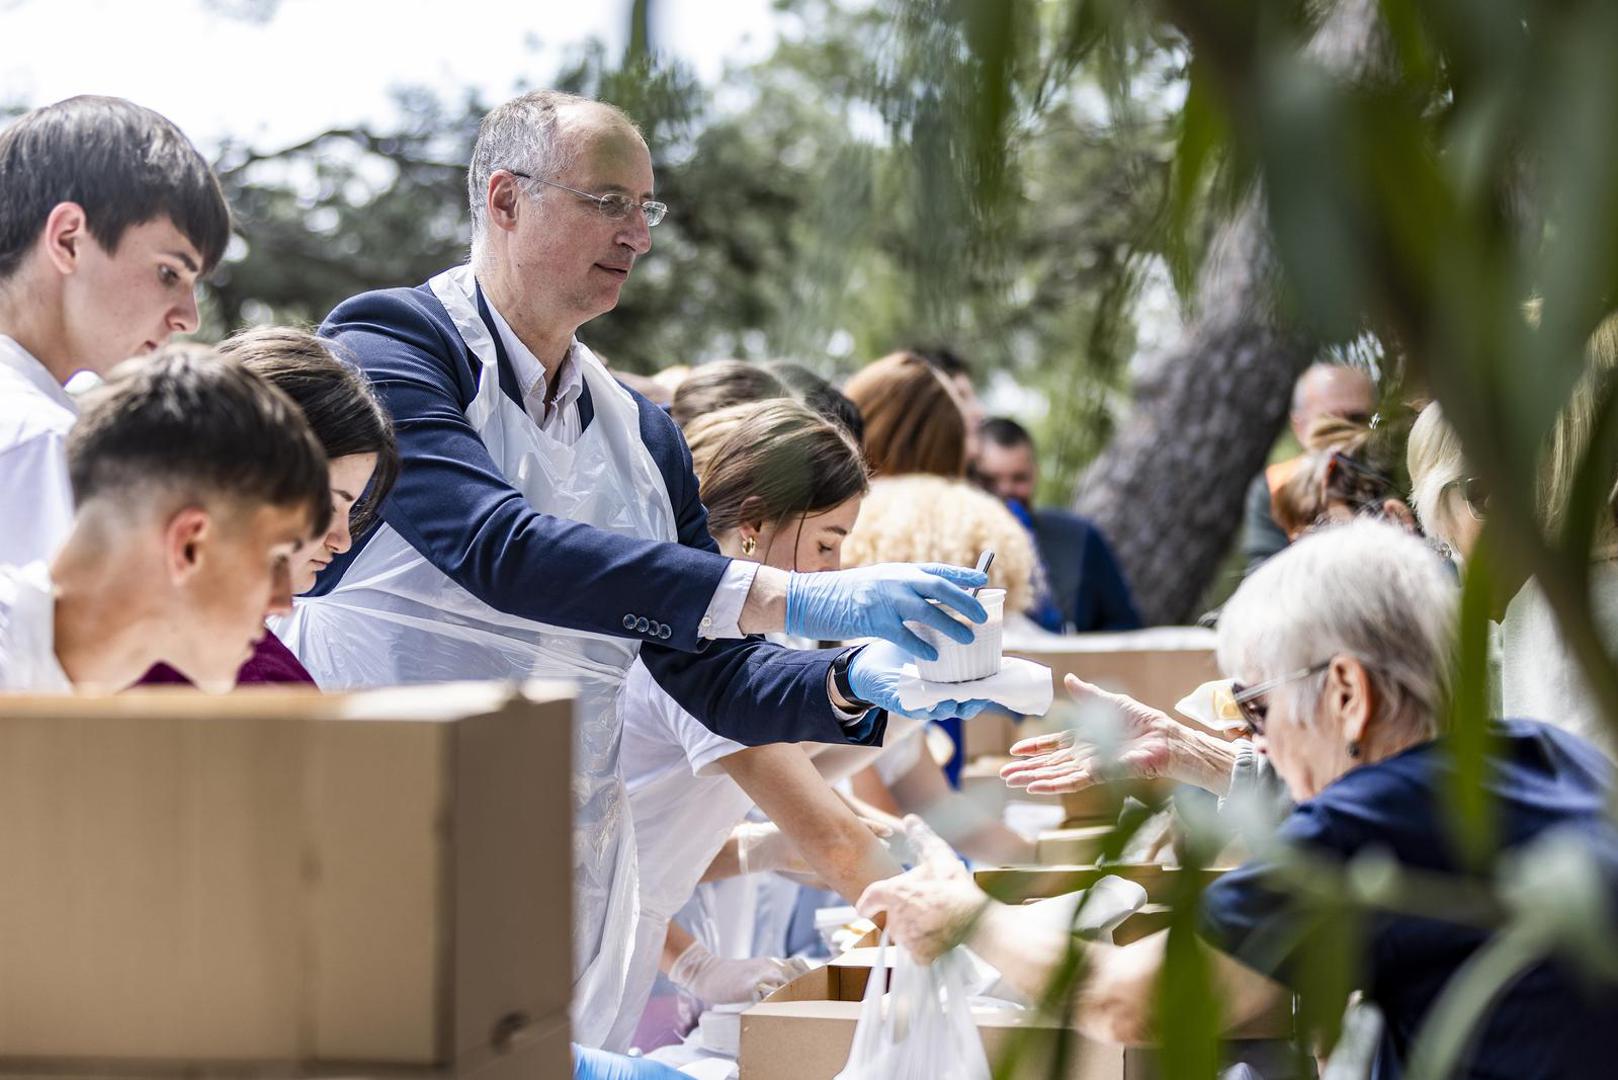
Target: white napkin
[
  {"x": 1020, "y": 686},
  {"x": 1213, "y": 706}
]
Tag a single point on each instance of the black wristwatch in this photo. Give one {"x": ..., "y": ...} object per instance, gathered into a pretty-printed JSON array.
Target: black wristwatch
[{"x": 839, "y": 679}]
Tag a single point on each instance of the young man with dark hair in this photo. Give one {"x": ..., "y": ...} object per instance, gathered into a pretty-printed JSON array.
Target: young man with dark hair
[
  {"x": 195, "y": 482},
  {"x": 1086, "y": 587},
  {"x": 108, "y": 216}
]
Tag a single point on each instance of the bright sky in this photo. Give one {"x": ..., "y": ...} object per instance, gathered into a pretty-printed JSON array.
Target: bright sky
[{"x": 319, "y": 64}]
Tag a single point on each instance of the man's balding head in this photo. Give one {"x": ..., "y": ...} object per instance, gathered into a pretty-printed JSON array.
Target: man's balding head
[
  {"x": 538, "y": 133},
  {"x": 1331, "y": 390},
  {"x": 560, "y": 189}
]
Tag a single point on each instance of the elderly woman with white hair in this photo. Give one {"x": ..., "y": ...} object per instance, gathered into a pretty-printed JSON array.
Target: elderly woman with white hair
[{"x": 1340, "y": 646}]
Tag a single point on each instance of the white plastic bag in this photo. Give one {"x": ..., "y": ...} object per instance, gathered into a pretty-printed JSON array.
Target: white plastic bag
[{"x": 922, "y": 1028}]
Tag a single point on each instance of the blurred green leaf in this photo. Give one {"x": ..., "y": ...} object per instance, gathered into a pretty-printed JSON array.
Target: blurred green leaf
[{"x": 1202, "y": 137}]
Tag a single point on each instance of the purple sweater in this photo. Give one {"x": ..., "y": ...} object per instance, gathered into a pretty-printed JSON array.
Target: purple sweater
[{"x": 271, "y": 662}]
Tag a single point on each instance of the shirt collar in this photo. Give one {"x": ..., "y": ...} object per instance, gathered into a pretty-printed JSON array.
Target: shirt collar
[
  {"x": 20, "y": 360},
  {"x": 530, "y": 372}
]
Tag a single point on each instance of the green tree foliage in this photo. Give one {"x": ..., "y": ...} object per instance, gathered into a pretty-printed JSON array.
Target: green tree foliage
[{"x": 802, "y": 224}]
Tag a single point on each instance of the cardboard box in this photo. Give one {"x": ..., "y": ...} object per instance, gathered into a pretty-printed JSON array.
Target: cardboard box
[
  {"x": 278, "y": 881},
  {"x": 1015, "y": 885},
  {"x": 1158, "y": 666},
  {"x": 992, "y": 732},
  {"x": 804, "y": 1031},
  {"x": 1070, "y": 846}
]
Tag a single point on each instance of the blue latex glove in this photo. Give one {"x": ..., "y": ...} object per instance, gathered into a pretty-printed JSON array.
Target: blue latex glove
[
  {"x": 591, "y": 1064},
  {"x": 873, "y": 674},
  {"x": 877, "y": 601}
]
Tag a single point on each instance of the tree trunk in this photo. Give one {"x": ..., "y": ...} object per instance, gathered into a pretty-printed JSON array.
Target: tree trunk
[{"x": 1168, "y": 491}]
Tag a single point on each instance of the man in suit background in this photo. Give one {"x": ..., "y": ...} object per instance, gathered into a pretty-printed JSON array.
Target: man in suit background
[{"x": 1086, "y": 587}]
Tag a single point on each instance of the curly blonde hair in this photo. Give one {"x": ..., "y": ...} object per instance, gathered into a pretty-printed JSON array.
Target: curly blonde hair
[{"x": 921, "y": 518}]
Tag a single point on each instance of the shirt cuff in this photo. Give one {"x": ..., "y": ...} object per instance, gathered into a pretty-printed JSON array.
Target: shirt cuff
[
  {"x": 848, "y": 718},
  {"x": 723, "y": 619}
]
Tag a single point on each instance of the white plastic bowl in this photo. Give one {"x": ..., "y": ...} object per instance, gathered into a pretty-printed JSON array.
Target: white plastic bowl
[{"x": 962, "y": 663}]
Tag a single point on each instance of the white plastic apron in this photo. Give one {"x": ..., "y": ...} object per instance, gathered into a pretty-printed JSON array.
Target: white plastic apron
[
  {"x": 705, "y": 809},
  {"x": 397, "y": 619}
]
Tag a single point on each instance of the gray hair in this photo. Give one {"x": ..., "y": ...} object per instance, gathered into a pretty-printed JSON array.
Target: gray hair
[
  {"x": 524, "y": 135},
  {"x": 1366, "y": 589},
  {"x": 1437, "y": 466}
]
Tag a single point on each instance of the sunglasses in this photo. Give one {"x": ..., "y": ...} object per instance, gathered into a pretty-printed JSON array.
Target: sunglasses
[{"x": 1252, "y": 703}]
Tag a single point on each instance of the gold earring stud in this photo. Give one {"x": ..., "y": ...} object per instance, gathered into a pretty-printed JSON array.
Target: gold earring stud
[{"x": 749, "y": 545}]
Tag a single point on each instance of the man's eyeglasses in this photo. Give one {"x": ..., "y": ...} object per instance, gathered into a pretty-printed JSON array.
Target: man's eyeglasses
[
  {"x": 613, "y": 206},
  {"x": 1253, "y": 703}
]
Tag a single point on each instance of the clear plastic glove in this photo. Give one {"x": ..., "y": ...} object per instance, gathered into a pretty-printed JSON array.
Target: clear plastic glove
[
  {"x": 874, "y": 675},
  {"x": 719, "y": 981},
  {"x": 1144, "y": 748},
  {"x": 877, "y": 601},
  {"x": 932, "y": 907},
  {"x": 763, "y": 846}
]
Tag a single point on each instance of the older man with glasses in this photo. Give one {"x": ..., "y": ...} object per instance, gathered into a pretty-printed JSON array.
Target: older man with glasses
[{"x": 546, "y": 519}]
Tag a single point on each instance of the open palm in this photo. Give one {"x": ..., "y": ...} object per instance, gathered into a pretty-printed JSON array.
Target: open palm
[{"x": 1063, "y": 761}]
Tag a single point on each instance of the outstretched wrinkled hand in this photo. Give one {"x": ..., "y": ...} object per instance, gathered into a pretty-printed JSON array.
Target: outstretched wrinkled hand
[
  {"x": 931, "y": 908},
  {"x": 877, "y": 601},
  {"x": 1063, "y": 762}
]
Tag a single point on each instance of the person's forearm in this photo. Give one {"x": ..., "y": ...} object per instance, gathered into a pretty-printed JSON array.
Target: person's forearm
[
  {"x": 1113, "y": 1001},
  {"x": 831, "y": 840},
  {"x": 868, "y": 787},
  {"x": 1203, "y": 761},
  {"x": 675, "y": 942},
  {"x": 1026, "y": 954},
  {"x": 765, "y": 611},
  {"x": 972, "y": 831},
  {"x": 726, "y": 864}
]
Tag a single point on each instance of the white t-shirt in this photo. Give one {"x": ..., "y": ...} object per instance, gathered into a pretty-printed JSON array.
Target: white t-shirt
[
  {"x": 1540, "y": 679},
  {"x": 683, "y": 802},
  {"x": 36, "y": 502},
  {"x": 28, "y": 632}
]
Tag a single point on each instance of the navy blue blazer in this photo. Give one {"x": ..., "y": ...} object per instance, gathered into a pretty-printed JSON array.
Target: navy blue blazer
[
  {"x": 452, "y": 504},
  {"x": 1083, "y": 574}
]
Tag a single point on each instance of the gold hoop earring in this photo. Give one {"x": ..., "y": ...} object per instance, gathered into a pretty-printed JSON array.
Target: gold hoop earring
[{"x": 749, "y": 545}]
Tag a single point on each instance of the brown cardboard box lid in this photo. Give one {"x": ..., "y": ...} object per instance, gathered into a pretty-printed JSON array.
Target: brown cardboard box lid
[
  {"x": 1015, "y": 884},
  {"x": 283, "y": 878},
  {"x": 1157, "y": 666},
  {"x": 1069, "y": 845},
  {"x": 805, "y": 1030}
]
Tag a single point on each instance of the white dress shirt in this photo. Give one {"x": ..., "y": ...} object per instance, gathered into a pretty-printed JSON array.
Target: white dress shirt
[
  {"x": 36, "y": 501},
  {"x": 28, "y": 632},
  {"x": 558, "y": 416}
]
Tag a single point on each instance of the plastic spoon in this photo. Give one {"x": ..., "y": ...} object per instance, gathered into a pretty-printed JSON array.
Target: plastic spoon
[{"x": 985, "y": 561}]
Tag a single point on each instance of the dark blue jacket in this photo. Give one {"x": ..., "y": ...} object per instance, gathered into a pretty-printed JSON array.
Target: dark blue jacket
[
  {"x": 1547, "y": 1022},
  {"x": 453, "y": 505},
  {"x": 1083, "y": 575}
]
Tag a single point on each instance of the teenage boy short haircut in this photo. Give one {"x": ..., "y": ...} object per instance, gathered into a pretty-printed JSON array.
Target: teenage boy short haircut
[
  {"x": 124, "y": 164},
  {"x": 191, "y": 420}
]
